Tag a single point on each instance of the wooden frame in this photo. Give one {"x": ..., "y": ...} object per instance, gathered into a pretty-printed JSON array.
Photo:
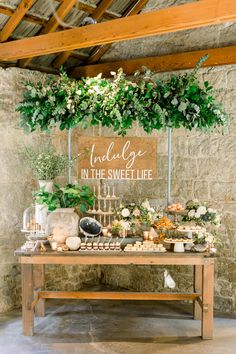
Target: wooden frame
[
  {"x": 178, "y": 18},
  {"x": 178, "y": 61},
  {"x": 33, "y": 296}
]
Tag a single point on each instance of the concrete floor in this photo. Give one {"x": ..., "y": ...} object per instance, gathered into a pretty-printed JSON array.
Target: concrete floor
[{"x": 118, "y": 327}]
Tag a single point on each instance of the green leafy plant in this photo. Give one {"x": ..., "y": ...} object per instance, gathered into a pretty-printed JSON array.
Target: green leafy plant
[
  {"x": 154, "y": 102},
  {"x": 69, "y": 196},
  {"x": 45, "y": 162}
]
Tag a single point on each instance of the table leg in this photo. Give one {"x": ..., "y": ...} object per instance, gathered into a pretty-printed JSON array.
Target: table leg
[
  {"x": 27, "y": 298},
  {"x": 38, "y": 273},
  {"x": 197, "y": 310},
  {"x": 207, "y": 300}
]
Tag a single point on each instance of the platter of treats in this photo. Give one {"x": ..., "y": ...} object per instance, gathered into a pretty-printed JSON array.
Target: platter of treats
[
  {"x": 175, "y": 208},
  {"x": 145, "y": 246},
  {"x": 190, "y": 228},
  {"x": 164, "y": 223},
  {"x": 178, "y": 240},
  {"x": 100, "y": 246}
]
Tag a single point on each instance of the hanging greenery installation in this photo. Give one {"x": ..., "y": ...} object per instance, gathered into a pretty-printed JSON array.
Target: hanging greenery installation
[{"x": 154, "y": 101}]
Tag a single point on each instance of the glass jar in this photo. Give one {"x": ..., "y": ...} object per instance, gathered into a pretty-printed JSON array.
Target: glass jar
[{"x": 33, "y": 220}]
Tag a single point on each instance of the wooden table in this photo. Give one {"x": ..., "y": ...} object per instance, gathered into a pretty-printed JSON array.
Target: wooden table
[{"x": 33, "y": 294}]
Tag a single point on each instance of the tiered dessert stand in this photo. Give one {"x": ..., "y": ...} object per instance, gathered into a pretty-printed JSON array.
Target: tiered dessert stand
[{"x": 104, "y": 209}]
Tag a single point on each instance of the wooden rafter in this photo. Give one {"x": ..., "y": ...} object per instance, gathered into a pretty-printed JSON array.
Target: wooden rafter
[
  {"x": 83, "y": 6},
  {"x": 97, "y": 14},
  {"x": 28, "y": 17},
  {"x": 179, "y": 61},
  {"x": 177, "y": 18},
  {"x": 15, "y": 19},
  {"x": 63, "y": 10},
  {"x": 98, "y": 52}
]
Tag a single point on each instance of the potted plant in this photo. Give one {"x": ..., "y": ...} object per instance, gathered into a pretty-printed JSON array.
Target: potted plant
[
  {"x": 63, "y": 221},
  {"x": 46, "y": 164}
]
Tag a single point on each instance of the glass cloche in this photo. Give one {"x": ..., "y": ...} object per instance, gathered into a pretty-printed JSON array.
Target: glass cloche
[{"x": 34, "y": 219}]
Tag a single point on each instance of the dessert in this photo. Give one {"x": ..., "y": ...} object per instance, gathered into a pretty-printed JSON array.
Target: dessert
[
  {"x": 175, "y": 207},
  {"x": 164, "y": 223},
  {"x": 146, "y": 246}
]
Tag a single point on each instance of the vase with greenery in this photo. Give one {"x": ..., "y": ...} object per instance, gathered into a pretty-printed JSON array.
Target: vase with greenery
[
  {"x": 46, "y": 164},
  {"x": 63, "y": 221}
]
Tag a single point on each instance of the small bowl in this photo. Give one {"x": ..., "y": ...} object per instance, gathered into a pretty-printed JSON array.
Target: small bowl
[{"x": 90, "y": 227}]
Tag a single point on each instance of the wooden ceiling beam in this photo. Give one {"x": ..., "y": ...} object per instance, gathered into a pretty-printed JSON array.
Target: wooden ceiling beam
[
  {"x": 177, "y": 18},
  {"x": 98, "y": 52},
  {"x": 42, "y": 21},
  {"x": 98, "y": 13},
  {"x": 28, "y": 17},
  {"x": 165, "y": 63},
  {"x": 83, "y": 6},
  {"x": 63, "y": 9},
  {"x": 15, "y": 19}
]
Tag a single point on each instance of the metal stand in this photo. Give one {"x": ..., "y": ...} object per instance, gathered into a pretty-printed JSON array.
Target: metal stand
[
  {"x": 169, "y": 168},
  {"x": 69, "y": 157}
]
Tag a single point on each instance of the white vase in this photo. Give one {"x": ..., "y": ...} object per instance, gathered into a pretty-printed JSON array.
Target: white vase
[
  {"x": 47, "y": 185},
  {"x": 63, "y": 222}
]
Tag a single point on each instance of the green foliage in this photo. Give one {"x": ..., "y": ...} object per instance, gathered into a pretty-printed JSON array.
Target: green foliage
[
  {"x": 69, "y": 196},
  {"x": 155, "y": 103},
  {"x": 45, "y": 162}
]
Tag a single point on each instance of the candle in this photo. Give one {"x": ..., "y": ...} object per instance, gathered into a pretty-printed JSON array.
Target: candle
[
  {"x": 54, "y": 245},
  {"x": 145, "y": 235},
  {"x": 108, "y": 192},
  {"x": 99, "y": 191},
  {"x": 105, "y": 231},
  {"x": 113, "y": 192}
]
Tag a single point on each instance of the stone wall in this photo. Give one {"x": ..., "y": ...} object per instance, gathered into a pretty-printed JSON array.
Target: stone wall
[
  {"x": 16, "y": 186},
  {"x": 204, "y": 167}
]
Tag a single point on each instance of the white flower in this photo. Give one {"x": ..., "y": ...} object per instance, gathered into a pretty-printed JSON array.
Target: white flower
[
  {"x": 182, "y": 107},
  {"x": 146, "y": 205},
  {"x": 191, "y": 213},
  {"x": 174, "y": 101},
  {"x": 96, "y": 89},
  {"x": 200, "y": 235},
  {"x": 202, "y": 210},
  {"x": 197, "y": 215},
  {"x": 125, "y": 225},
  {"x": 136, "y": 212},
  {"x": 125, "y": 212},
  {"x": 210, "y": 238},
  {"x": 151, "y": 210}
]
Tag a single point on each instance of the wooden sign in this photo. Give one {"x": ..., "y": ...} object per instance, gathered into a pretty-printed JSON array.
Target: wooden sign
[{"x": 118, "y": 158}]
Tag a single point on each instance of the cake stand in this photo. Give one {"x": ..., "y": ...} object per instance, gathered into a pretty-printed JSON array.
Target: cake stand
[{"x": 179, "y": 245}]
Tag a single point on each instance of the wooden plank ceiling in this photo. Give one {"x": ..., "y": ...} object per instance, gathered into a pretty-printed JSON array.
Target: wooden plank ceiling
[{"x": 67, "y": 46}]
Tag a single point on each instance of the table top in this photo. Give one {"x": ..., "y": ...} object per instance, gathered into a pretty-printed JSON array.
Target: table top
[{"x": 101, "y": 253}]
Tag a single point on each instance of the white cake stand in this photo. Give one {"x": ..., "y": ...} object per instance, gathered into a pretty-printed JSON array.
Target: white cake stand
[{"x": 179, "y": 245}]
